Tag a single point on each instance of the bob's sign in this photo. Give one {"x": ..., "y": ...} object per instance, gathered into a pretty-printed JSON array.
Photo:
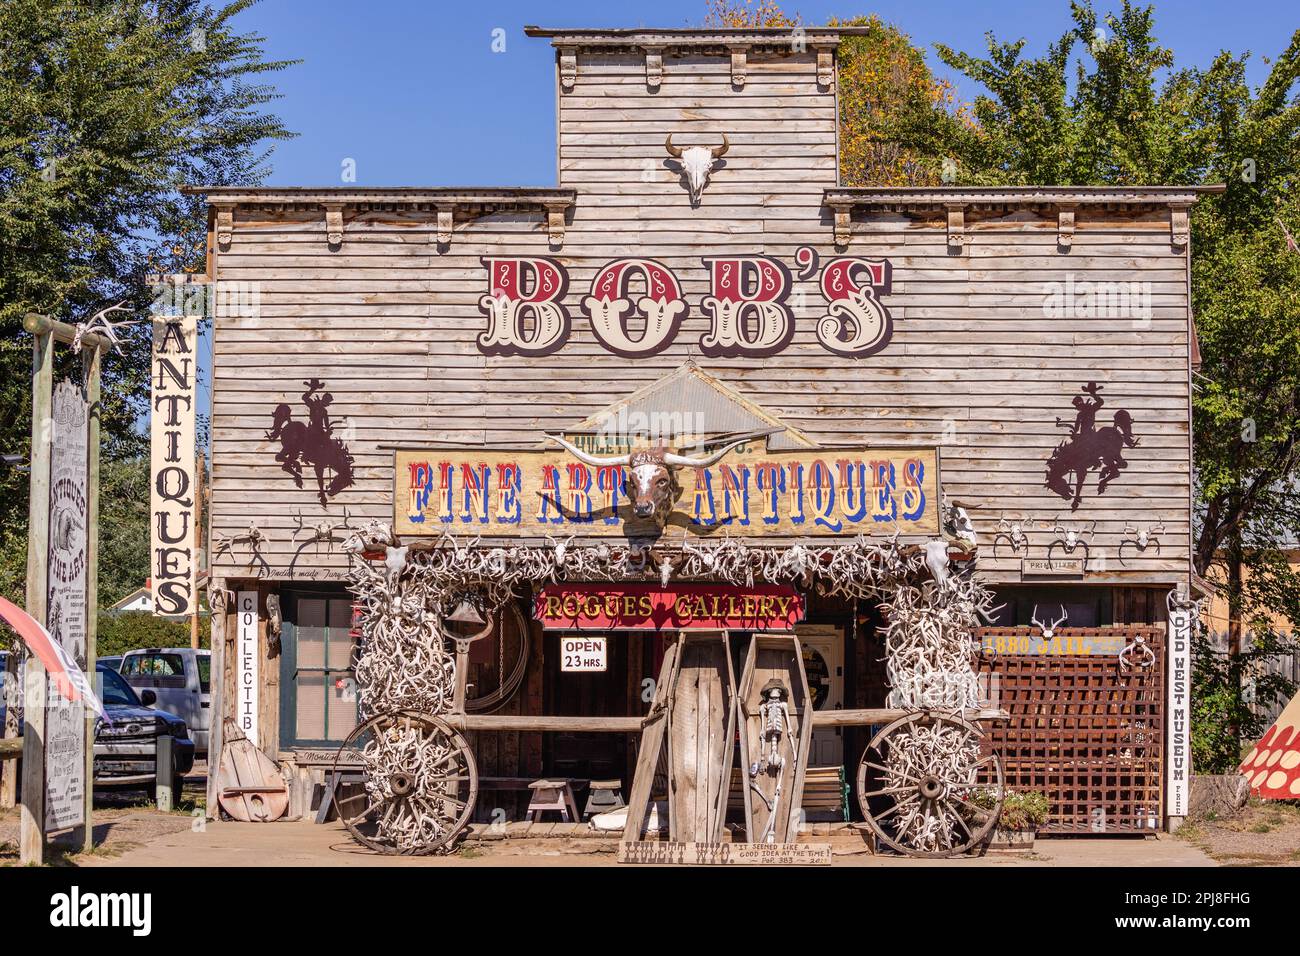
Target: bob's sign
[
  {"x": 636, "y": 306},
  {"x": 808, "y": 492}
]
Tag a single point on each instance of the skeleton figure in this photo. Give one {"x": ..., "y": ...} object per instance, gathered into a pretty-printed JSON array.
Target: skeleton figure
[
  {"x": 696, "y": 162},
  {"x": 774, "y": 716}
]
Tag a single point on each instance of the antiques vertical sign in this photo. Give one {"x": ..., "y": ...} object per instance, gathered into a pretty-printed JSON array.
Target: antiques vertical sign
[
  {"x": 246, "y": 670},
  {"x": 1178, "y": 712},
  {"x": 173, "y": 492},
  {"x": 65, "y": 721}
]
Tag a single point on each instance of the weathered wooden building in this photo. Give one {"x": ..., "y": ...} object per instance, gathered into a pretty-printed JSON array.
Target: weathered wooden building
[{"x": 894, "y": 355}]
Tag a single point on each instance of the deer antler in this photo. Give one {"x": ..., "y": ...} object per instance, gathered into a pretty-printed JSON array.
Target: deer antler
[{"x": 99, "y": 323}]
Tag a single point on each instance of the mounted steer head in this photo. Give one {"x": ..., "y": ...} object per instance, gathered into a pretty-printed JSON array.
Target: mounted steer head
[
  {"x": 697, "y": 162},
  {"x": 651, "y": 475}
]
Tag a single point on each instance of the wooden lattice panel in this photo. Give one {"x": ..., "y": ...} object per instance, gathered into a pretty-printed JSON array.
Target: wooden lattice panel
[{"x": 1084, "y": 731}]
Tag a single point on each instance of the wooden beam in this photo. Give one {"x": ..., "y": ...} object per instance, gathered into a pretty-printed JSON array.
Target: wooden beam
[
  {"x": 63, "y": 332},
  {"x": 654, "y": 66},
  {"x": 11, "y": 744},
  {"x": 739, "y": 64},
  {"x": 652, "y": 742},
  {"x": 1065, "y": 226},
  {"x": 568, "y": 68},
  {"x": 92, "y": 581},
  {"x": 538, "y": 723},
  {"x": 884, "y": 715},
  {"x": 31, "y": 838},
  {"x": 217, "y": 602}
]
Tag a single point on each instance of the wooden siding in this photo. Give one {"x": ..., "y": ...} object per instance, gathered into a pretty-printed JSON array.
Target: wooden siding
[{"x": 388, "y": 322}]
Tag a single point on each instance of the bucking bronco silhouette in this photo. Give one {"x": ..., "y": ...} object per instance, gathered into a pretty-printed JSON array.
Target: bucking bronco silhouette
[
  {"x": 313, "y": 443},
  {"x": 1089, "y": 447}
]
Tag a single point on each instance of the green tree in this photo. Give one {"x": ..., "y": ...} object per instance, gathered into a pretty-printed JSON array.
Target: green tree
[
  {"x": 1095, "y": 110},
  {"x": 107, "y": 108}
]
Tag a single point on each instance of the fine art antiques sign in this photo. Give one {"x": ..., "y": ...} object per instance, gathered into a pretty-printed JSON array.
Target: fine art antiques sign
[
  {"x": 649, "y": 607},
  {"x": 807, "y": 492},
  {"x": 173, "y": 492},
  {"x": 65, "y": 721}
]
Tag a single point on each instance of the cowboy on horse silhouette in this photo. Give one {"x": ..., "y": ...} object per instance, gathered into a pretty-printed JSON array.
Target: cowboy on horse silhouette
[
  {"x": 313, "y": 443},
  {"x": 1089, "y": 447}
]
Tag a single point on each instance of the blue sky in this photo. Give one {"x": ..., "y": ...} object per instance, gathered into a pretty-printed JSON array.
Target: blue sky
[{"x": 414, "y": 94}]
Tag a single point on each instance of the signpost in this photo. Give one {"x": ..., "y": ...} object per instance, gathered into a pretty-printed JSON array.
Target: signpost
[
  {"x": 66, "y": 604},
  {"x": 1178, "y": 713},
  {"x": 174, "y": 490},
  {"x": 62, "y": 568}
]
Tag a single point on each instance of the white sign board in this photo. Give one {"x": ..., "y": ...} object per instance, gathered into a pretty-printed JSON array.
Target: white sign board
[
  {"x": 246, "y": 674},
  {"x": 1178, "y": 714},
  {"x": 173, "y": 557},
  {"x": 582, "y": 654},
  {"x": 65, "y": 616}
]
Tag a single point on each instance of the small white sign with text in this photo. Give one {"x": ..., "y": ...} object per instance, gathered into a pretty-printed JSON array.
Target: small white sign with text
[{"x": 582, "y": 654}]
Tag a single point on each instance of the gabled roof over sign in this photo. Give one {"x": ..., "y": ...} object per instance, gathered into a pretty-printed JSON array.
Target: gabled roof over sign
[{"x": 683, "y": 407}]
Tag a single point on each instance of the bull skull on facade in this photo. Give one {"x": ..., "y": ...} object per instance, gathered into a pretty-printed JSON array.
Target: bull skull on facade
[
  {"x": 651, "y": 476},
  {"x": 697, "y": 162}
]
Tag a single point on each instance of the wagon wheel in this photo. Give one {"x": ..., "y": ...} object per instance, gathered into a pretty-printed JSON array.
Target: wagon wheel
[
  {"x": 916, "y": 781},
  {"x": 421, "y": 783}
]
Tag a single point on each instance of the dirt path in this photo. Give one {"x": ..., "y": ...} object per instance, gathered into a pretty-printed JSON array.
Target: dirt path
[{"x": 306, "y": 844}]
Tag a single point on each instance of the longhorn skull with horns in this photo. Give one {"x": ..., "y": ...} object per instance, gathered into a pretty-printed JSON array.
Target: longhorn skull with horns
[
  {"x": 651, "y": 478},
  {"x": 697, "y": 162}
]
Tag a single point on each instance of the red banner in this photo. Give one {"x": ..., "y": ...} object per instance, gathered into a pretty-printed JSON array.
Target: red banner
[{"x": 648, "y": 607}]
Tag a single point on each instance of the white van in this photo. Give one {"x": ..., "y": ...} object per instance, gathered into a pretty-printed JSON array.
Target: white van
[{"x": 181, "y": 679}]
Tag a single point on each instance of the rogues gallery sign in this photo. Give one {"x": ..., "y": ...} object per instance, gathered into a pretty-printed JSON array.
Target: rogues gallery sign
[
  {"x": 636, "y": 306},
  {"x": 840, "y": 491}
]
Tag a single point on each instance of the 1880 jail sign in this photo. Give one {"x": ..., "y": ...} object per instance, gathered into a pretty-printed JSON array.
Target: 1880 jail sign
[{"x": 840, "y": 491}]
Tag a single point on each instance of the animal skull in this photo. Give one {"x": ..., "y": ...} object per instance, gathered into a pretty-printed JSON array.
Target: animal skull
[
  {"x": 697, "y": 162},
  {"x": 650, "y": 475}
]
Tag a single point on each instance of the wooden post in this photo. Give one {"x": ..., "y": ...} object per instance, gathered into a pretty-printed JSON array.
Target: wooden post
[
  {"x": 32, "y": 826},
  {"x": 9, "y": 768},
  {"x": 163, "y": 761},
  {"x": 199, "y": 538},
  {"x": 217, "y": 708},
  {"x": 92, "y": 577}
]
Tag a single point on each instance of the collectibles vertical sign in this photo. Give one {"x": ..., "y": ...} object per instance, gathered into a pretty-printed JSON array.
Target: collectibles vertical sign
[
  {"x": 65, "y": 721},
  {"x": 173, "y": 493},
  {"x": 246, "y": 665},
  {"x": 1179, "y": 712}
]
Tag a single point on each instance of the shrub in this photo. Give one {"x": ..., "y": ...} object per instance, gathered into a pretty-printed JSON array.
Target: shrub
[{"x": 1020, "y": 811}]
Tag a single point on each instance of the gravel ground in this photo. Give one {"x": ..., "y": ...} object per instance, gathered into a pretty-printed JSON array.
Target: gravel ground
[
  {"x": 124, "y": 820},
  {"x": 1265, "y": 833}
]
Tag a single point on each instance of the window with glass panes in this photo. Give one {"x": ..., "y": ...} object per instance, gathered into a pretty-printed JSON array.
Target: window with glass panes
[{"x": 318, "y": 690}]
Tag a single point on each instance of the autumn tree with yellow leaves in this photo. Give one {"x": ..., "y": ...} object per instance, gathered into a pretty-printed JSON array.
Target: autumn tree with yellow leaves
[{"x": 886, "y": 93}]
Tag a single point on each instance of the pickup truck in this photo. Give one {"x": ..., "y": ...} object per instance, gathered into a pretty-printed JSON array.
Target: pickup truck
[{"x": 180, "y": 678}]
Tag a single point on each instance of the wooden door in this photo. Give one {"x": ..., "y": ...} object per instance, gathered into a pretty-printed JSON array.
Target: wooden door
[{"x": 586, "y": 756}]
